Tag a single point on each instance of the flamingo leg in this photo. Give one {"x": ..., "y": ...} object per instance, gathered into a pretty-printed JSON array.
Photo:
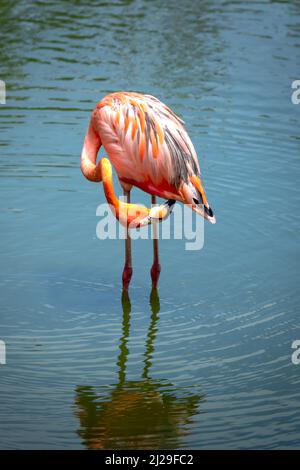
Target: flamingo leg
[
  {"x": 156, "y": 268},
  {"x": 133, "y": 216},
  {"x": 127, "y": 271}
]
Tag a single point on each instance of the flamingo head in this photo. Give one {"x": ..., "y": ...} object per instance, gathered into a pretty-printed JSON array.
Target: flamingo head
[
  {"x": 193, "y": 194},
  {"x": 204, "y": 211}
]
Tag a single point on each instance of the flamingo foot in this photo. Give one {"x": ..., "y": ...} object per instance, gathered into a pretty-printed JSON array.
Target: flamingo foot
[
  {"x": 126, "y": 276},
  {"x": 155, "y": 273}
]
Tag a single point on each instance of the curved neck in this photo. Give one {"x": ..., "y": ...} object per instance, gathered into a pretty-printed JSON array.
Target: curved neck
[
  {"x": 108, "y": 185},
  {"x": 91, "y": 146}
]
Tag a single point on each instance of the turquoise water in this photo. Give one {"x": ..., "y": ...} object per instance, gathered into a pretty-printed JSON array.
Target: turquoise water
[{"x": 207, "y": 364}]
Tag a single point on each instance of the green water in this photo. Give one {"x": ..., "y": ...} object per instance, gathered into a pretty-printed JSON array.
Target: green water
[{"x": 207, "y": 363}]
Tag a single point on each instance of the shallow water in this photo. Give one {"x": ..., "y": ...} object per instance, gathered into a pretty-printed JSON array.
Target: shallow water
[{"x": 208, "y": 363}]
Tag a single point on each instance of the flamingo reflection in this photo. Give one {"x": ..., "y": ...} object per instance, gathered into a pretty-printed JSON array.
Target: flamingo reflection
[{"x": 141, "y": 414}]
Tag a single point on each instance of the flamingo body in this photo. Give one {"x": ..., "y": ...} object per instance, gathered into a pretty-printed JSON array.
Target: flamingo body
[
  {"x": 138, "y": 133},
  {"x": 149, "y": 148}
]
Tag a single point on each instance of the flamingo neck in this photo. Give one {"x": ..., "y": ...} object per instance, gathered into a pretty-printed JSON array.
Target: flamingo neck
[
  {"x": 91, "y": 146},
  {"x": 107, "y": 178}
]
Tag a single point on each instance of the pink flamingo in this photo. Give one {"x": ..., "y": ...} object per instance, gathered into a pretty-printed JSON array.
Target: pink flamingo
[{"x": 150, "y": 149}]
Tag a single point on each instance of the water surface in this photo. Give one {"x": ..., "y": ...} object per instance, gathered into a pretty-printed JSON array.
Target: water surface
[{"x": 207, "y": 364}]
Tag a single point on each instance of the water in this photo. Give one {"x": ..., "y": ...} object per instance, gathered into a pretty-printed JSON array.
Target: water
[{"x": 208, "y": 363}]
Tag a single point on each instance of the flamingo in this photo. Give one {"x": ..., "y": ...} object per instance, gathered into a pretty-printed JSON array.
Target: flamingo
[{"x": 149, "y": 148}]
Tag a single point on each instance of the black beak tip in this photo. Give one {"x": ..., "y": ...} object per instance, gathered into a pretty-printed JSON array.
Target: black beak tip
[{"x": 208, "y": 211}]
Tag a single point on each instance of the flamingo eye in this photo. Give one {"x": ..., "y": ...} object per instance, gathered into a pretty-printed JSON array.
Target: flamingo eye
[{"x": 196, "y": 200}]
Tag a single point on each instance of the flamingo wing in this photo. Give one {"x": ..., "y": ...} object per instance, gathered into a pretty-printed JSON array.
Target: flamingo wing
[{"x": 146, "y": 140}]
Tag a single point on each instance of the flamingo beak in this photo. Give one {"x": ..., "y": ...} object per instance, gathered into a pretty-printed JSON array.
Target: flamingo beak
[
  {"x": 158, "y": 213},
  {"x": 205, "y": 212}
]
